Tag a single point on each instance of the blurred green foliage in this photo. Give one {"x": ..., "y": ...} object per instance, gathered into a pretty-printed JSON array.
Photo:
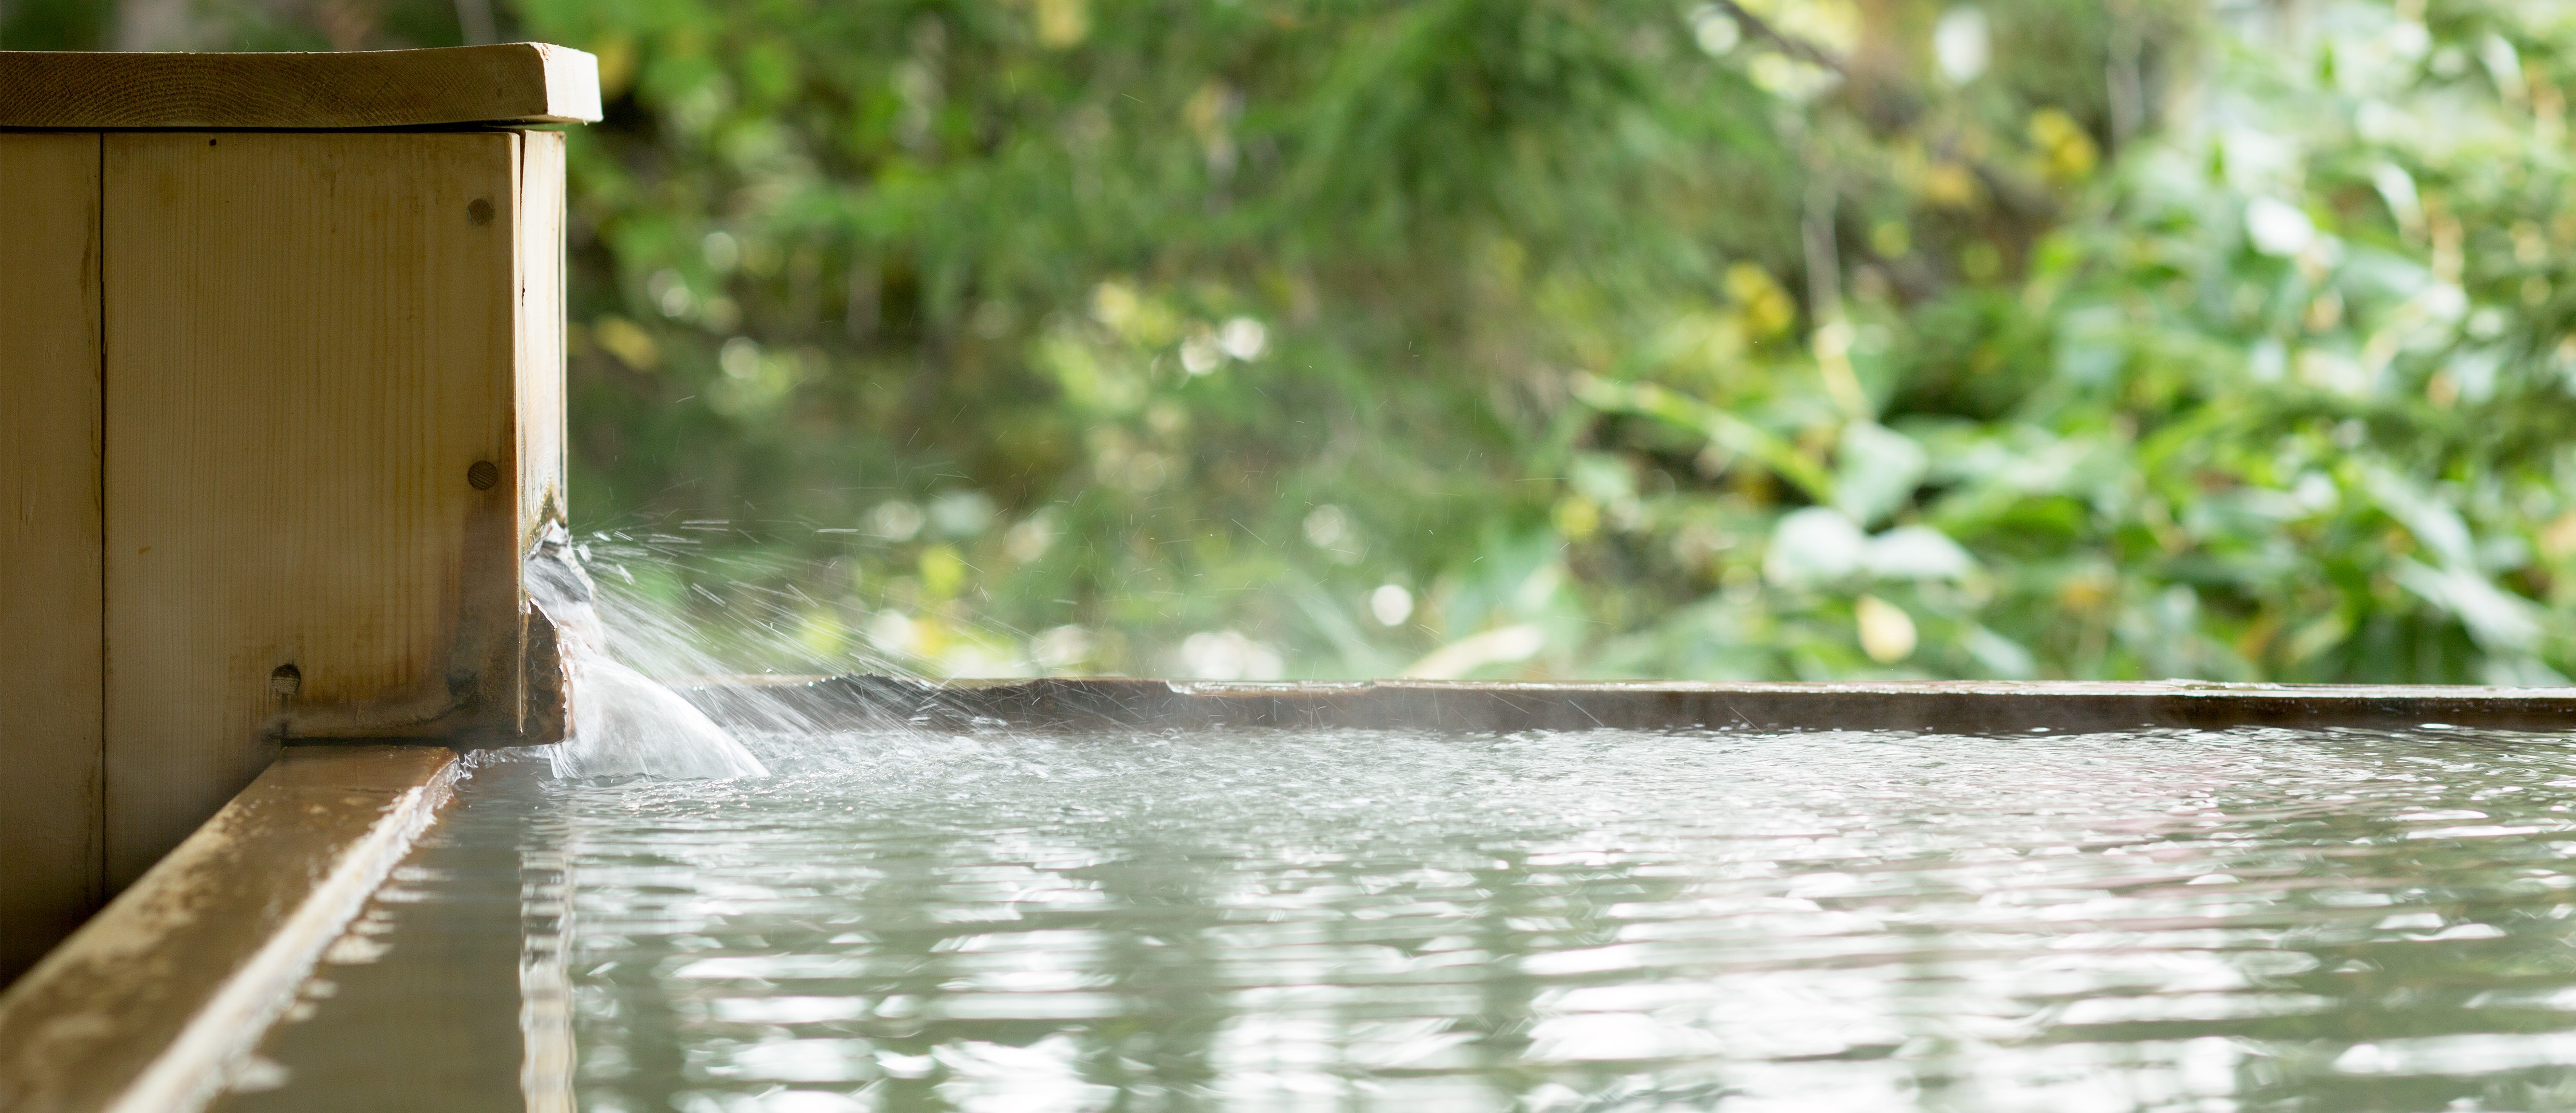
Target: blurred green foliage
[{"x": 1782, "y": 339}]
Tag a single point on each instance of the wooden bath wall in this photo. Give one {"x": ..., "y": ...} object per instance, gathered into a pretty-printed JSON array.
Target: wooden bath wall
[{"x": 281, "y": 406}]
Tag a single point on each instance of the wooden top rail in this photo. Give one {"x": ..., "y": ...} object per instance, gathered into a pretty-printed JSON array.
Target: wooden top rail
[
  {"x": 1961, "y": 707},
  {"x": 512, "y": 83}
]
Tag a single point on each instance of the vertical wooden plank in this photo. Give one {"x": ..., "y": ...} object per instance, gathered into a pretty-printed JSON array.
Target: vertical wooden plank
[
  {"x": 50, "y": 688},
  {"x": 310, "y": 348},
  {"x": 540, "y": 387},
  {"x": 541, "y": 340}
]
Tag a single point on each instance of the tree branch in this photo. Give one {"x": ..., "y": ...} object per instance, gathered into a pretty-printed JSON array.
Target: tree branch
[{"x": 1790, "y": 45}]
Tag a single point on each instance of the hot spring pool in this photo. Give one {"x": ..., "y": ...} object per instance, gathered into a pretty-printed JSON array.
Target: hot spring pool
[{"x": 1615, "y": 920}]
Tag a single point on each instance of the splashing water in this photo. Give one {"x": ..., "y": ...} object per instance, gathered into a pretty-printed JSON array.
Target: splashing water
[
  {"x": 745, "y": 660},
  {"x": 624, "y": 724}
]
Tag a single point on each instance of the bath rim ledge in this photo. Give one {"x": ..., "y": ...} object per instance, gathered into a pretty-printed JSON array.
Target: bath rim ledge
[{"x": 147, "y": 1007}]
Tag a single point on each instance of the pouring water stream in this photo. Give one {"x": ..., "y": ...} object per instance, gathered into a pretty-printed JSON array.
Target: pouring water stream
[{"x": 624, "y": 724}]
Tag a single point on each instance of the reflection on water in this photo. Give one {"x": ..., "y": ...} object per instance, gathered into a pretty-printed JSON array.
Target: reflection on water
[{"x": 1602, "y": 921}]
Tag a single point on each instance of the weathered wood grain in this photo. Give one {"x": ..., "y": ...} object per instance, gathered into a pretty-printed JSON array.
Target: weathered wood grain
[
  {"x": 50, "y": 611},
  {"x": 311, "y": 343},
  {"x": 508, "y": 83}
]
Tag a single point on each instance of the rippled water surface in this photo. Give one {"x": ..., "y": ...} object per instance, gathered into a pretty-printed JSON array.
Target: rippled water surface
[{"x": 1270, "y": 920}]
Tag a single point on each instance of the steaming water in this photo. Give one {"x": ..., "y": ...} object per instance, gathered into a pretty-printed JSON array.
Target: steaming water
[{"x": 1260, "y": 920}]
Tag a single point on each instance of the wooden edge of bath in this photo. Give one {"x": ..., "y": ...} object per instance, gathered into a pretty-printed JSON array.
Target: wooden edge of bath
[
  {"x": 145, "y": 1007},
  {"x": 1978, "y": 707},
  {"x": 510, "y": 83}
]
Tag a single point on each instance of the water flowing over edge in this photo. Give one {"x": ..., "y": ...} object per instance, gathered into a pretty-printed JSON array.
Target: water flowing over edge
[{"x": 623, "y": 723}]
